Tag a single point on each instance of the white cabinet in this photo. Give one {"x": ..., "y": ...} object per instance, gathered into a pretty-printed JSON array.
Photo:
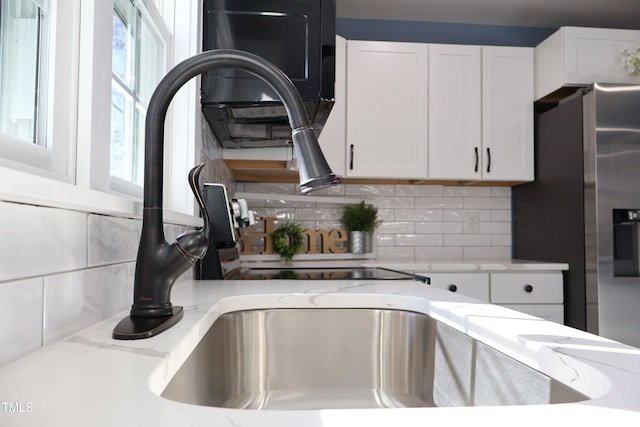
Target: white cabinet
[
  {"x": 581, "y": 56},
  {"x": 386, "y": 110},
  {"x": 333, "y": 138},
  {"x": 454, "y": 111},
  {"x": 474, "y": 285},
  {"x": 481, "y": 113},
  {"x": 537, "y": 293},
  {"x": 507, "y": 113}
]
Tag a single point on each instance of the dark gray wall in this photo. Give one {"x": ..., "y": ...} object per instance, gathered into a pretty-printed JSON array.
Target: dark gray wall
[{"x": 439, "y": 32}]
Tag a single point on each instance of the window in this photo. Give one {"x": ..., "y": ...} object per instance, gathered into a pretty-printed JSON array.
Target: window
[
  {"x": 56, "y": 85},
  {"x": 23, "y": 57},
  {"x": 138, "y": 64}
]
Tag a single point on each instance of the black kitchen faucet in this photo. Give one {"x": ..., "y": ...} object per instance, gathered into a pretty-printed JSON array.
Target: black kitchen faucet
[{"x": 159, "y": 263}]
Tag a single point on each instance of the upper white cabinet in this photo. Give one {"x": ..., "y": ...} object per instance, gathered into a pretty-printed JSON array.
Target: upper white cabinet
[
  {"x": 507, "y": 113},
  {"x": 387, "y": 114},
  {"x": 481, "y": 113},
  {"x": 581, "y": 56},
  {"x": 332, "y": 138},
  {"x": 454, "y": 111}
]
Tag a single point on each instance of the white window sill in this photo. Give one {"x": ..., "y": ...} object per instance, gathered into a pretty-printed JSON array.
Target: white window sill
[{"x": 21, "y": 187}]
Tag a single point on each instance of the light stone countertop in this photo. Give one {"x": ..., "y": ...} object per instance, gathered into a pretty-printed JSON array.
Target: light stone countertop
[{"x": 89, "y": 379}]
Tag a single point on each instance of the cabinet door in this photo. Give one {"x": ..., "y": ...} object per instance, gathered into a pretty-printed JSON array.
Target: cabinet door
[
  {"x": 581, "y": 56},
  {"x": 507, "y": 113},
  {"x": 529, "y": 288},
  {"x": 454, "y": 112},
  {"x": 595, "y": 55},
  {"x": 474, "y": 285},
  {"x": 333, "y": 138},
  {"x": 386, "y": 109}
]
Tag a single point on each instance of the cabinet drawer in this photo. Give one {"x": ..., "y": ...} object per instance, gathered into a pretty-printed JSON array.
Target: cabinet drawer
[
  {"x": 474, "y": 285},
  {"x": 533, "y": 288},
  {"x": 551, "y": 312}
]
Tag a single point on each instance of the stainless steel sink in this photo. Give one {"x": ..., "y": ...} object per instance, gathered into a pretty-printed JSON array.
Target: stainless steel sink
[{"x": 351, "y": 358}]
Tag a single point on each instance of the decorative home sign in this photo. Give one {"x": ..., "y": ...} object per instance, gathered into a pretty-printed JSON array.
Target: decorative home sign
[{"x": 317, "y": 241}]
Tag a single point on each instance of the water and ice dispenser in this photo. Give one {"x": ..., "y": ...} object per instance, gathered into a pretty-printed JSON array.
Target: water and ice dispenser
[{"x": 626, "y": 242}]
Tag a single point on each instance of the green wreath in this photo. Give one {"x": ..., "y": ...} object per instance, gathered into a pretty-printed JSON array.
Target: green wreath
[{"x": 288, "y": 240}]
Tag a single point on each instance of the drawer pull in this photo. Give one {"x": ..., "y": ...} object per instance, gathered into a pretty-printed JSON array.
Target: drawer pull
[
  {"x": 453, "y": 288},
  {"x": 528, "y": 288}
]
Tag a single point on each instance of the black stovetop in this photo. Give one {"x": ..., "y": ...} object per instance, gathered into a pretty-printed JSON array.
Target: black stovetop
[{"x": 336, "y": 273}]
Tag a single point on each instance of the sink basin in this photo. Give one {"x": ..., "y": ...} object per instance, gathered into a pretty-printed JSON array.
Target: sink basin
[{"x": 351, "y": 358}]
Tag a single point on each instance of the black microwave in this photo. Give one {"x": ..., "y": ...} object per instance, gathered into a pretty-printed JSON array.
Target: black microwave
[{"x": 298, "y": 36}]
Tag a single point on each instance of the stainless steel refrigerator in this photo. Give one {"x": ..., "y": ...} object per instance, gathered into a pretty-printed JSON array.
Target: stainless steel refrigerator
[{"x": 584, "y": 206}]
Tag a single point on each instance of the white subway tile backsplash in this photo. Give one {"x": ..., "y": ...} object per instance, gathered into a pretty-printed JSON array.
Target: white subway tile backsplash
[
  {"x": 419, "y": 190},
  {"x": 393, "y": 202},
  {"x": 503, "y": 215},
  {"x": 465, "y": 215},
  {"x": 438, "y": 252},
  {"x": 495, "y": 227},
  {"x": 489, "y": 252},
  {"x": 501, "y": 192},
  {"x": 487, "y": 203},
  {"x": 323, "y": 225},
  {"x": 419, "y": 221},
  {"x": 418, "y": 215},
  {"x": 431, "y": 227},
  {"x": 459, "y": 191},
  {"x": 386, "y": 214},
  {"x": 396, "y": 252},
  {"x": 73, "y": 301},
  {"x": 385, "y": 239},
  {"x": 20, "y": 317},
  {"x": 467, "y": 240},
  {"x": 61, "y": 271},
  {"x": 501, "y": 240},
  {"x": 439, "y": 202},
  {"x": 397, "y": 227},
  {"x": 280, "y": 214},
  {"x": 112, "y": 239},
  {"x": 269, "y": 188},
  {"x": 471, "y": 222},
  {"x": 272, "y": 203},
  {"x": 370, "y": 190},
  {"x": 318, "y": 214},
  {"x": 40, "y": 240},
  {"x": 419, "y": 240}
]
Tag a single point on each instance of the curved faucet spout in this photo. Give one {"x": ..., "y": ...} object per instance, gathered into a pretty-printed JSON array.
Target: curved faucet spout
[{"x": 159, "y": 263}]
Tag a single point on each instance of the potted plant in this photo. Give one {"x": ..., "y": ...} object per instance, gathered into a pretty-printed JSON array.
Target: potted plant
[{"x": 360, "y": 221}]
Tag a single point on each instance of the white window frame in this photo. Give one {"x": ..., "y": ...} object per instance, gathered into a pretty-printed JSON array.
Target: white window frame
[
  {"x": 57, "y": 161},
  {"x": 154, "y": 19},
  {"x": 80, "y": 111}
]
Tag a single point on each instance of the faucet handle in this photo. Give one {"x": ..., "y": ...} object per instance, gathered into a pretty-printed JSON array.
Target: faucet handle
[{"x": 194, "y": 243}]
